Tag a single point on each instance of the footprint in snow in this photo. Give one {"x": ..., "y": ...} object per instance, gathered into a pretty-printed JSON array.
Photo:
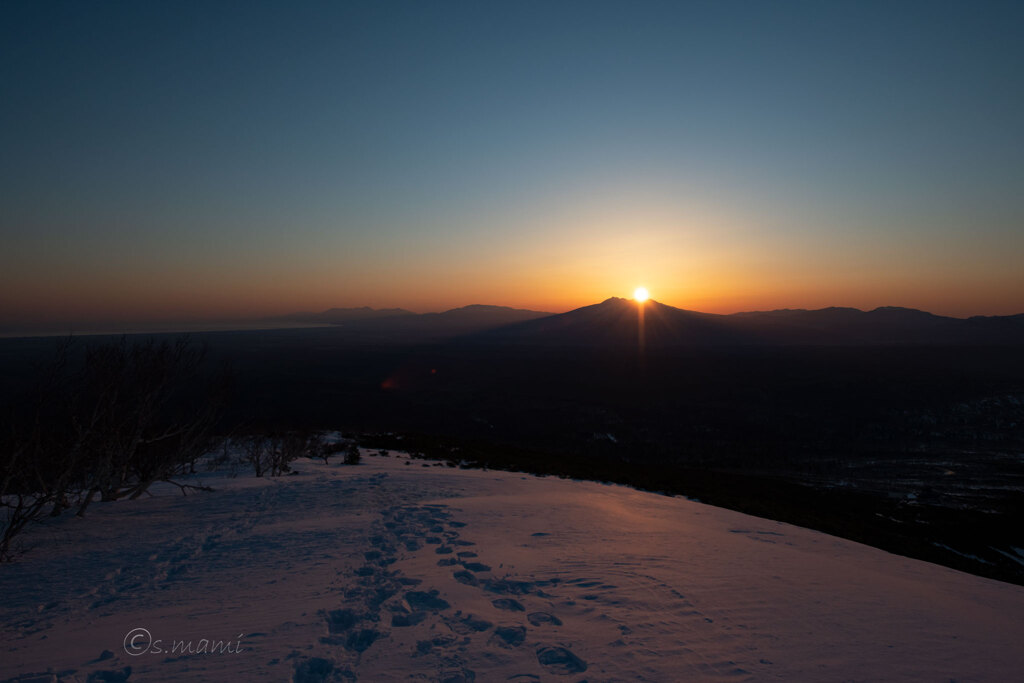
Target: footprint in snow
[
  {"x": 318, "y": 669},
  {"x": 462, "y": 675},
  {"x": 542, "y": 618},
  {"x": 559, "y": 660},
  {"x": 508, "y": 636},
  {"x": 508, "y": 604},
  {"x": 419, "y": 600},
  {"x": 467, "y": 578},
  {"x": 468, "y": 624}
]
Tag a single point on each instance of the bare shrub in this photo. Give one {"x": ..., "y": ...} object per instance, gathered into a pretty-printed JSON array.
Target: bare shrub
[
  {"x": 348, "y": 448},
  {"x": 108, "y": 420},
  {"x": 257, "y": 450},
  {"x": 142, "y": 418},
  {"x": 318, "y": 448},
  {"x": 272, "y": 454}
]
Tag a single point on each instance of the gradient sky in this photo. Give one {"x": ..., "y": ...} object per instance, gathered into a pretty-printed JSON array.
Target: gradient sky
[{"x": 223, "y": 159}]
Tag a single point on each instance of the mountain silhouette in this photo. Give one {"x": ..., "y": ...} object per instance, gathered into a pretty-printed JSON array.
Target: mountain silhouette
[
  {"x": 400, "y": 325},
  {"x": 616, "y": 322},
  {"x": 335, "y": 316}
]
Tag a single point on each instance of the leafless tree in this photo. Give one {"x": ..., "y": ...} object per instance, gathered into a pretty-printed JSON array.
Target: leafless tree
[
  {"x": 352, "y": 455},
  {"x": 258, "y": 450},
  {"x": 131, "y": 414},
  {"x": 347, "y": 447},
  {"x": 318, "y": 447},
  {"x": 272, "y": 454},
  {"x": 142, "y": 420},
  {"x": 38, "y": 465}
]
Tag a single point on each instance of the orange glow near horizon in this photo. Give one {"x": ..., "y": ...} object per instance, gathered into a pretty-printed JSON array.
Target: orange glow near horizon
[
  {"x": 553, "y": 291},
  {"x": 576, "y": 255},
  {"x": 533, "y": 168}
]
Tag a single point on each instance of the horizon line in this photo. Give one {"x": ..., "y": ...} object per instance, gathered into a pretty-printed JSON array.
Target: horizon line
[{"x": 278, "y": 321}]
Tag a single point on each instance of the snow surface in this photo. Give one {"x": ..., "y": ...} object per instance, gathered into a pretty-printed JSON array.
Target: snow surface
[{"x": 392, "y": 571}]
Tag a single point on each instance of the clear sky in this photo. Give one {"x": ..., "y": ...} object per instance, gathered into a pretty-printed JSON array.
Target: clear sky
[{"x": 226, "y": 159}]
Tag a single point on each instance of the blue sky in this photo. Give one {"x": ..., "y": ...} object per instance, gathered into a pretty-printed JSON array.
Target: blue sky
[{"x": 220, "y": 159}]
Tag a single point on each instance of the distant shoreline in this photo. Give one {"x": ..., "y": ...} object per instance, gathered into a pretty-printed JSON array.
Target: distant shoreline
[{"x": 183, "y": 328}]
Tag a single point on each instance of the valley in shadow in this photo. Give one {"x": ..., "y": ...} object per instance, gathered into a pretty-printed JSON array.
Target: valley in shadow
[{"x": 916, "y": 448}]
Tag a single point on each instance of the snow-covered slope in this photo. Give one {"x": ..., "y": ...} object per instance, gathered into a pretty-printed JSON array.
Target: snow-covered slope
[{"x": 392, "y": 571}]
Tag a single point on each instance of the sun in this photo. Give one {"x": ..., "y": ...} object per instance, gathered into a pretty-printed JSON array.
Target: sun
[{"x": 640, "y": 294}]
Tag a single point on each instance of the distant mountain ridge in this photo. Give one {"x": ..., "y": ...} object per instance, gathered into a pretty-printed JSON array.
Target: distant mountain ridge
[
  {"x": 334, "y": 316},
  {"x": 616, "y": 322},
  {"x": 613, "y": 322},
  {"x": 398, "y": 324}
]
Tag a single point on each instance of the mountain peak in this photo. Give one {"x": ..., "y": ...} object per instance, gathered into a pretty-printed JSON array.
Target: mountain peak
[{"x": 900, "y": 310}]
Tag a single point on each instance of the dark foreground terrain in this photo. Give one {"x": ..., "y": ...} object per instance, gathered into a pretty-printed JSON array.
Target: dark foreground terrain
[{"x": 918, "y": 450}]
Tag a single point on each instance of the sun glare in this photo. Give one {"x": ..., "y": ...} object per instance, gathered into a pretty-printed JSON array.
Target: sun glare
[{"x": 640, "y": 294}]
